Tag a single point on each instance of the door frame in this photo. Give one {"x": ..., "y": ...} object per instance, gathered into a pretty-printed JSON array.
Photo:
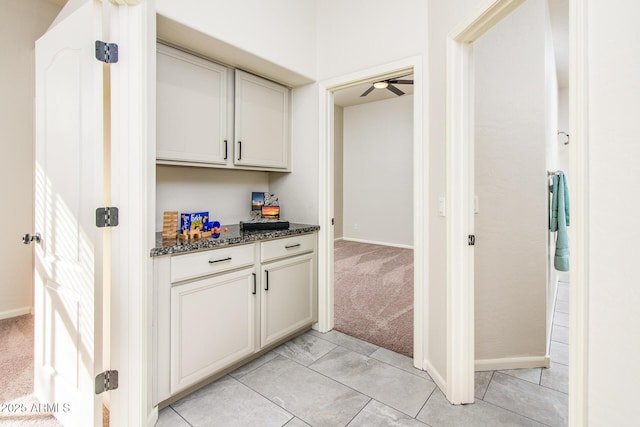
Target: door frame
[
  {"x": 420, "y": 201},
  {"x": 460, "y": 282},
  {"x": 132, "y": 152}
]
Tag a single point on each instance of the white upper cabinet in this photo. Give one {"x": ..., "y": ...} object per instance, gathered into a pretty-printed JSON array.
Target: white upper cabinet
[
  {"x": 261, "y": 123},
  {"x": 195, "y": 116},
  {"x": 192, "y": 110}
]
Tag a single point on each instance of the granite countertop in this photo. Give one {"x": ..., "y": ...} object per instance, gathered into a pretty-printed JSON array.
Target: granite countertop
[{"x": 233, "y": 237}]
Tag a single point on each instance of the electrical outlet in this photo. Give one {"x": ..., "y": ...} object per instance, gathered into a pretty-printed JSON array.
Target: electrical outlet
[{"x": 355, "y": 226}]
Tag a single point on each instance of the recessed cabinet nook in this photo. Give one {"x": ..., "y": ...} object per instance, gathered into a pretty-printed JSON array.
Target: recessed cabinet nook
[
  {"x": 219, "y": 303},
  {"x": 210, "y": 115}
]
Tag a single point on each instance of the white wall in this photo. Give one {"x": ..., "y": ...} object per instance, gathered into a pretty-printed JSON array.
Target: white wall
[
  {"x": 614, "y": 183},
  {"x": 563, "y": 125},
  {"x": 353, "y": 35},
  {"x": 278, "y": 31},
  {"x": 378, "y": 171},
  {"x": 300, "y": 187},
  {"x": 21, "y": 23},
  {"x": 338, "y": 175},
  {"x": 225, "y": 194},
  {"x": 443, "y": 18},
  {"x": 510, "y": 181}
]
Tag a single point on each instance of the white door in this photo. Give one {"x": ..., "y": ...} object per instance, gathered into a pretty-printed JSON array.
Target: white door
[{"x": 69, "y": 187}]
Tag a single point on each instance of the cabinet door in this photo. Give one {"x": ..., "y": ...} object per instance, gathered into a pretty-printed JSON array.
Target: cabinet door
[
  {"x": 191, "y": 109},
  {"x": 212, "y": 326},
  {"x": 261, "y": 122},
  {"x": 288, "y": 297}
]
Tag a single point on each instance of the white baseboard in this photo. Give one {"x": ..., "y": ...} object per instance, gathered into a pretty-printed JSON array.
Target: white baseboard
[
  {"x": 513, "y": 363},
  {"x": 337, "y": 239},
  {"x": 15, "y": 312},
  {"x": 435, "y": 376},
  {"x": 373, "y": 242}
]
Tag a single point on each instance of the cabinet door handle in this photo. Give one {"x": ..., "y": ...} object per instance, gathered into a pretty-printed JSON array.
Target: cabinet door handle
[
  {"x": 213, "y": 261},
  {"x": 297, "y": 245},
  {"x": 239, "y": 150},
  {"x": 266, "y": 286},
  {"x": 254, "y": 283},
  {"x": 226, "y": 150}
]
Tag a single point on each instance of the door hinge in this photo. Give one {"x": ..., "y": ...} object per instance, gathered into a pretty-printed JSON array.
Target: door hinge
[
  {"x": 106, "y": 52},
  {"x": 106, "y": 217},
  {"x": 472, "y": 240},
  {"x": 107, "y": 380},
  {"x": 333, "y": 221}
]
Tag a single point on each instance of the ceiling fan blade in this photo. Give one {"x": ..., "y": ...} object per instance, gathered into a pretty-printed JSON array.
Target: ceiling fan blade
[
  {"x": 400, "y": 82},
  {"x": 367, "y": 92},
  {"x": 395, "y": 90}
]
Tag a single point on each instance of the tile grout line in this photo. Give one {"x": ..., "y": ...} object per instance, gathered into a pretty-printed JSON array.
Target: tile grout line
[
  {"x": 553, "y": 389},
  {"x": 265, "y": 397},
  {"x": 312, "y": 370},
  {"x": 358, "y": 391},
  {"x": 180, "y": 415},
  {"x": 361, "y": 409},
  {"x": 425, "y": 404},
  {"x": 517, "y": 413},
  {"x": 375, "y": 358},
  {"x": 488, "y": 384}
]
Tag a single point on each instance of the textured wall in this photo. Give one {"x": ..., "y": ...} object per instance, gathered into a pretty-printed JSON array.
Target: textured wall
[
  {"x": 510, "y": 181},
  {"x": 378, "y": 171}
]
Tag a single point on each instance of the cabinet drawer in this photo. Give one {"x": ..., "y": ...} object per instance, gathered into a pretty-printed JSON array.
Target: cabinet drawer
[
  {"x": 281, "y": 248},
  {"x": 190, "y": 266}
]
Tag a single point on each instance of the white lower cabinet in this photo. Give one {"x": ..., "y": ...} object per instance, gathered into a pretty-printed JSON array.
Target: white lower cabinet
[
  {"x": 288, "y": 297},
  {"x": 212, "y": 325},
  {"x": 216, "y": 308}
]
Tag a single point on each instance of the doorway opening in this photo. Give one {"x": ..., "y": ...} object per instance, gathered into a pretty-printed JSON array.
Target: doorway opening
[
  {"x": 328, "y": 89},
  {"x": 460, "y": 193},
  {"x": 515, "y": 144},
  {"x": 373, "y": 231}
]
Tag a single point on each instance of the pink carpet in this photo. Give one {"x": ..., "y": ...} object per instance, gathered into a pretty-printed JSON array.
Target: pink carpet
[{"x": 373, "y": 294}]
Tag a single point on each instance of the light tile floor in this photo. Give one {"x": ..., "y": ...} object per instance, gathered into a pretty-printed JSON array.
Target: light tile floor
[{"x": 333, "y": 379}]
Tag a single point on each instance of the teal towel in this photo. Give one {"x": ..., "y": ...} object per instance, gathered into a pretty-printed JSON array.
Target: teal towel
[{"x": 560, "y": 220}]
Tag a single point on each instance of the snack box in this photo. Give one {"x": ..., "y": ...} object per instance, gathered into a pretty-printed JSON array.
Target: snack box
[{"x": 196, "y": 220}]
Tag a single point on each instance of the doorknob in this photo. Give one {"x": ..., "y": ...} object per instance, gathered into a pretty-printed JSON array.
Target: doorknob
[{"x": 28, "y": 238}]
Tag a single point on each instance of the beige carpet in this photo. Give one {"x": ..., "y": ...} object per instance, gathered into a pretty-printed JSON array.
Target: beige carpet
[
  {"x": 16, "y": 375},
  {"x": 373, "y": 294}
]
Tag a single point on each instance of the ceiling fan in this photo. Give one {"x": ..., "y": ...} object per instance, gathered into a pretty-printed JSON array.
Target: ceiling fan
[{"x": 388, "y": 84}]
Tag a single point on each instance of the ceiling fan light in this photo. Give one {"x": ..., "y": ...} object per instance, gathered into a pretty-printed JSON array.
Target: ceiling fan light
[{"x": 380, "y": 85}]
